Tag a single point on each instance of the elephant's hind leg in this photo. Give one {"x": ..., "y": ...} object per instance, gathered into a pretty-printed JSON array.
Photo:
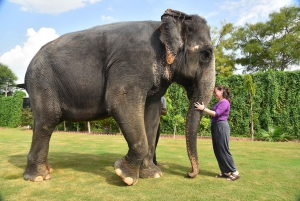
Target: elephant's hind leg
[
  {"x": 150, "y": 171},
  {"x": 38, "y": 168}
]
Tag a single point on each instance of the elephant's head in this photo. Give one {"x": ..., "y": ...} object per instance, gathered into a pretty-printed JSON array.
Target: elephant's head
[{"x": 190, "y": 62}]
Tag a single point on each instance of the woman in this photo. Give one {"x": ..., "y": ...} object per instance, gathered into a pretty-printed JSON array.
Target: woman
[{"x": 220, "y": 132}]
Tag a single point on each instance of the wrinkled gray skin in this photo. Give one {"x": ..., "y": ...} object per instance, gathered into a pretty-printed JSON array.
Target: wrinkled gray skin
[{"x": 120, "y": 70}]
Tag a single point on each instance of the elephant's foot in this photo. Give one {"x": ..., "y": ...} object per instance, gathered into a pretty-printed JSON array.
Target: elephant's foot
[
  {"x": 128, "y": 174},
  {"x": 150, "y": 171},
  {"x": 38, "y": 175},
  {"x": 49, "y": 168},
  {"x": 36, "y": 178}
]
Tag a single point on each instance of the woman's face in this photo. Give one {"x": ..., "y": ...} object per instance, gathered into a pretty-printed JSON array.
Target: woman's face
[{"x": 218, "y": 94}]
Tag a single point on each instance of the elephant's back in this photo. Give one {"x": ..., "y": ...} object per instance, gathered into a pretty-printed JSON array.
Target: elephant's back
[
  {"x": 119, "y": 28},
  {"x": 91, "y": 48},
  {"x": 73, "y": 68}
]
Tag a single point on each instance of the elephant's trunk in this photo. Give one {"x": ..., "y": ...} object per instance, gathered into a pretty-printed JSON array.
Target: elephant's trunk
[
  {"x": 201, "y": 92},
  {"x": 192, "y": 125}
]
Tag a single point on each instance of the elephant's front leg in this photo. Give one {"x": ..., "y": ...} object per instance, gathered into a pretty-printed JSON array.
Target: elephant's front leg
[
  {"x": 134, "y": 132},
  {"x": 131, "y": 121},
  {"x": 152, "y": 117}
]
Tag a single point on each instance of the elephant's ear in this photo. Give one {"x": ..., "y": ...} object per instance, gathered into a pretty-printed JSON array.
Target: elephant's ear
[{"x": 171, "y": 32}]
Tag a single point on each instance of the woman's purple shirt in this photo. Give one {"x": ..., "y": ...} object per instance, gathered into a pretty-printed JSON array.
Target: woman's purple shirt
[{"x": 222, "y": 109}]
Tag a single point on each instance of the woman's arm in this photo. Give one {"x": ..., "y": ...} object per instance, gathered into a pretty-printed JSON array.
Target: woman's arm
[{"x": 202, "y": 107}]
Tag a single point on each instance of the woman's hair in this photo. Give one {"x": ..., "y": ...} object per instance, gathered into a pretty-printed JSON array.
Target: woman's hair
[{"x": 226, "y": 91}]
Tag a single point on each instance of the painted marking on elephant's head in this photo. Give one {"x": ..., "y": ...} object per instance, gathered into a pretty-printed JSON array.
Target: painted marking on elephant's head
[
  {"x": 193, "y": 48},
  {"x": 170, "y": 57}
]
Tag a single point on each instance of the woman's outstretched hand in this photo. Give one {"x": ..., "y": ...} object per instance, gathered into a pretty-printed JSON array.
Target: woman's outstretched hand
[{"x": 199, "y": 106}]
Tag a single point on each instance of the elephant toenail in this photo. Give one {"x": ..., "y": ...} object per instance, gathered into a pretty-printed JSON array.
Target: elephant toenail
[
  {"x": 128, "y": 181},
  {"x": 47, "y": 177},
  {"x": 118, "y": 171},
  {"x": 39, "y": 179}
]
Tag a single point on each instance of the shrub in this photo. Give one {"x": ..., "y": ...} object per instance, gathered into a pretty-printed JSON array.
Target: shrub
[{"x": 274, "y": 134}]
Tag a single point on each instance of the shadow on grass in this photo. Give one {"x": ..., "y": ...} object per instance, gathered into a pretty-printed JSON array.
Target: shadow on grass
[
  {"x": 91, "y": 163},
  {"x": 175, "y": 169},
  {"x": 98, "y": 164}
]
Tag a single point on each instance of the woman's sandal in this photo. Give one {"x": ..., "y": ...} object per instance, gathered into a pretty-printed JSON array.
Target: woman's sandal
[
  {"x": 221, "y": 175},
  {"x": 233, "y": 177}
]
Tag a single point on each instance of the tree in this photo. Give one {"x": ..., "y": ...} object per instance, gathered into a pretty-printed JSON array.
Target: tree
[
  {"x": 177, "y": 105},
  {"x": 224, "y": 44},
  {"x": 178, "y": 119},
  {"x": 7, "y": 79},
  {"x": 274, "y": 45},
  {"x": 250, "y": 88},
  {"x": 204, "y": 125}
]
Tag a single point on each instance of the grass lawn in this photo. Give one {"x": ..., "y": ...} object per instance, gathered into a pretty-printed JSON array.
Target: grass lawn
[{"x": 83, "y": 170}]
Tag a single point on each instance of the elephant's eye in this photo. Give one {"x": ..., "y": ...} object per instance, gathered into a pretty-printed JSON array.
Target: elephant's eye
[{"x": 205, "y": 55}]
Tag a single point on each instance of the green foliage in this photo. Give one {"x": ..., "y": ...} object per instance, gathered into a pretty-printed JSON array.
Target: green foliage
[
  {"x": 6, "y": 76},
  {"x": 95, "y": 126},
  {"x": 277, "y": 101},
  {"x": 250, "y": 87},
  {"x": 224, "y": 44},
  {"x": 177, "y": 106},
  {"x": 205, "y": 126},
  {"x": 27, "y": 117},
  {"x": 109, "y": 123},
  {"x": 177, "y": 120},
  {"x": 11, "y": 109},
  {"x": 274, "y": 134},
  {"x": 273, "y": 45}
]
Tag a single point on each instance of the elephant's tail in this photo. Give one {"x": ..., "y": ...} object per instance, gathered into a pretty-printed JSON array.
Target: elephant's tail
[{"x": 22, "y": 85}]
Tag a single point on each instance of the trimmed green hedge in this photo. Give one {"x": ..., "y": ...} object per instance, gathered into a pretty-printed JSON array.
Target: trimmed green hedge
[
  {"x": 11, "y": 109},
  {"x": 276, "y": 102}
]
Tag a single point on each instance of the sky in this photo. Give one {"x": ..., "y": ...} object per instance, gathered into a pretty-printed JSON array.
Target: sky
[{"x": 26, "y": 25}]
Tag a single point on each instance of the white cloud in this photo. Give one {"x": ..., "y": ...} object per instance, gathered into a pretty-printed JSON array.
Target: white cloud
[
  {"x": 106, "y": 18},
  {"x": 18, "y": 58},
  {"x": 253, "y": 11},
  {"x": 211, "y": 14},
  {"x": 110, "y": 9},
  {"x": 52, "y": 6}
]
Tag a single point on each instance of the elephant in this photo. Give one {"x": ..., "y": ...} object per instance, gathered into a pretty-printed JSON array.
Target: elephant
[{"x": 120, "y": 70}]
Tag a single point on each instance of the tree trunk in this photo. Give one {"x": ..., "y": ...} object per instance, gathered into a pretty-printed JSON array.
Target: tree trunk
[
  {"x": 174, "y": 131},
  {"x": 89, "y": 127},
  {"x": 6, "y": 89},
  {"x": 65, "y": 129}
]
